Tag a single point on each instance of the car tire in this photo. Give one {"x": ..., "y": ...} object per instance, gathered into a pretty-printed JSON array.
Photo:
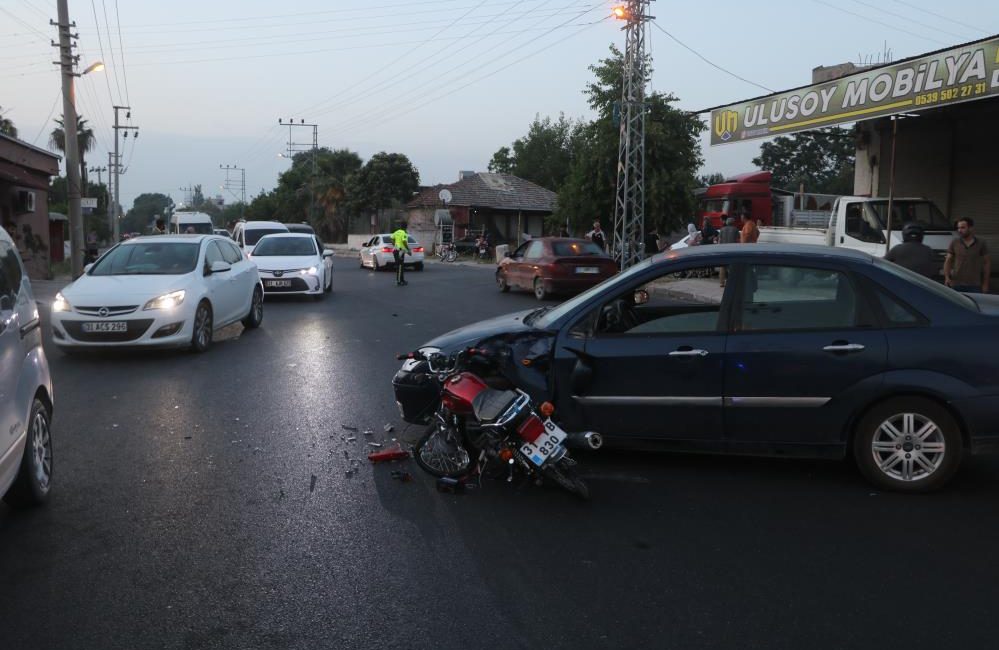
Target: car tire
[
  {"x": 892, "y": 445},
  {"x": 375, "y": 266},
  {"x": 201, "y": 337},
  {"x": 329, "y": 283},
  {"x": 34, "y": 478},
  {"x": 256, "y": 316},
  {"x": 539, "y": 289},
  {"x": 501, "y": 282}
]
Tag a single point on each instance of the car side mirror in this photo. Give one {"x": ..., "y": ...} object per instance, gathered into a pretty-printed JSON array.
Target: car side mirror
[
  {"x": 327, "y": 253},
  {"x": 219, "y": 267}
]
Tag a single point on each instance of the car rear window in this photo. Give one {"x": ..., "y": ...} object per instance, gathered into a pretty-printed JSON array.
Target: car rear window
[
  {"x": 195, "y": 228},
  {"x": 253, "y": 235},
  {"x": 575, "y": 248}
]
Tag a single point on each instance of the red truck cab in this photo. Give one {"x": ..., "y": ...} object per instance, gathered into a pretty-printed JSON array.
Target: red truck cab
[{"x": 750, "y": 192}]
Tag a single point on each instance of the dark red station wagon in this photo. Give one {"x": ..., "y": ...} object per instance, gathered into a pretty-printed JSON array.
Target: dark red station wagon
[{"x": 550, "y": 265}]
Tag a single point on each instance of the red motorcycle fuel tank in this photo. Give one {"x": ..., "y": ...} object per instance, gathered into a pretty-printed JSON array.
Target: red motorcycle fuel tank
[{"x": 460, "y": 390}]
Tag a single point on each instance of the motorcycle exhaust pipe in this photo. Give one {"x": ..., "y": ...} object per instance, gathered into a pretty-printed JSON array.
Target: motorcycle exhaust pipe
[{"x": 587, "y": 440}]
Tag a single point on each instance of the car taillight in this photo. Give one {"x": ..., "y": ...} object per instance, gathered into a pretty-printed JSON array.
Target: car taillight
[
  {"x": 531, "y": 429},
  {"x": 418, "y": 249},
  {"x": 388, "y": 249}
]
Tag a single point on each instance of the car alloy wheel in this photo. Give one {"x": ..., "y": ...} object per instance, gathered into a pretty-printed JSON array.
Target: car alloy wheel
[
  {"x": 202, "y": 337},
  {"x": 908, "y": 447},
  {"x": 41, "y": 450},
  {"x": 501, "y": 282},
  {"x": 539, "y": 289}
]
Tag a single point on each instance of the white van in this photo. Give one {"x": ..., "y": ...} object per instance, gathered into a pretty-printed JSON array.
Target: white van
[
  {"x": 199, "y": 223},
  {"x": 248, "y": 233}
]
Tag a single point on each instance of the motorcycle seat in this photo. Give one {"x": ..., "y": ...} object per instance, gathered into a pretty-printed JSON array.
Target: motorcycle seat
[{"x": 491, "y": 403}]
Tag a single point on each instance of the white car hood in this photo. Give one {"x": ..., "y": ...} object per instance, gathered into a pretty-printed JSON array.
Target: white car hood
[
  {"x": 286, "y": 263},
  {"x": 104, "y": 290}
]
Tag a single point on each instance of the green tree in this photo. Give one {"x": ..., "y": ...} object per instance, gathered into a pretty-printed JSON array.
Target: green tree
[
  {"x": 823, "y": 160},
  {"x": 672, "y": 156},
  {"x": 85, "y": 139},
  {"x": 6, "y": 125},
  {"x": 710, "y": 179},
  {"x": 145, "y": 210},
  {"x": 386, "y": 179},
  {"x": 543, "y": 156}
]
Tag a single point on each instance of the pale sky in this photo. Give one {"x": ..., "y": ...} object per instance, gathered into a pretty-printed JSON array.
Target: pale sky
[{"x": 446, "y": 82}]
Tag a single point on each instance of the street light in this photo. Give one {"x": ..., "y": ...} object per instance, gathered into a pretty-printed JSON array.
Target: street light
[
  {"x": 620, "y": 12},
  {"x": 96, "y": 66}
]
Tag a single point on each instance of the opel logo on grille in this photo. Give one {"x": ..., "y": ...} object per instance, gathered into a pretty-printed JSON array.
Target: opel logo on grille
[
  {"x": 278, "y": 274},
  {"x": 103, "y": 312}
]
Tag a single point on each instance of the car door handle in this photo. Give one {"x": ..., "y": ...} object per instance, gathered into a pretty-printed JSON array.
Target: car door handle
[
  {"x": 844, "y": 347},
  {"x": 688, "y": 352}
]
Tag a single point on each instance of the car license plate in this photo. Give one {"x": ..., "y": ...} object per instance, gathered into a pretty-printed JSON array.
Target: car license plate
[
  {"x": 278, "y": 283},
  {"x": 546, "y": 444},
  {"x": 101, "y": 327},
  {"x": 588, "y": 270}
]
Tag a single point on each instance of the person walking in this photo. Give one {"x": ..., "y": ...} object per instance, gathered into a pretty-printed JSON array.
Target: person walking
[
  {"x": 597, "y": 236},
  {"x": 750, "y": 231},
  {"x": 729, "y": 234},
  {"x": 912, "y": 253},
  {"x": 968, "y": 266},
  {"x": 401, "y": 240},
  {"x": 709, "y": 234}
]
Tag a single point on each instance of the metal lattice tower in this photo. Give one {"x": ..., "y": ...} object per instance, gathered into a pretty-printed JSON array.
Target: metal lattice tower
[{"x": 629, "y": 206}]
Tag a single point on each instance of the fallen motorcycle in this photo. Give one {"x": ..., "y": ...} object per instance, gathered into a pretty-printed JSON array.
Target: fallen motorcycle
[{"x": 471, "y": 425}]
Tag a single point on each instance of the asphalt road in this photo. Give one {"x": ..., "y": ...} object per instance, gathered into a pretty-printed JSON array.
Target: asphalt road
[{"x": 204, "y": 502}]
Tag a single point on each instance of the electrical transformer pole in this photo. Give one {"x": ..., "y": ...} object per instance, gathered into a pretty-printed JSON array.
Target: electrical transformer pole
[
  {"x": 67, "y": 61},
  {"x": 629, "y": 204},
  {"x": 295, "y": 147}
]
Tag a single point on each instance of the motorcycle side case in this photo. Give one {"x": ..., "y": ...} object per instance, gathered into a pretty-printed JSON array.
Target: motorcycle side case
[{"x": 416, "y": 393}]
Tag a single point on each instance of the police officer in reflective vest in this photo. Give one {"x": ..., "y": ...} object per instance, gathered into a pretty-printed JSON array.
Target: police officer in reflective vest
[{"x": 401, "y": 240}]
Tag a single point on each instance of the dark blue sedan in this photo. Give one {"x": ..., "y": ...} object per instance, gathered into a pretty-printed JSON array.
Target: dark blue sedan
[{"x": 766, "y": 349}]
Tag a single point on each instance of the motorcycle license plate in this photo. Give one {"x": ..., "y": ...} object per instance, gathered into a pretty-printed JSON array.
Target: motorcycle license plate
[
  {"x": 102, "y": 327},
  {"x": 546, "y": 444},
  {"x": 588, "y": 270}
]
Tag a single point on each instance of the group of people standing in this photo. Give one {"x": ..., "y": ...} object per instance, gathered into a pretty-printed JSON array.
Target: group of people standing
[{"x": 967, "y": 266}]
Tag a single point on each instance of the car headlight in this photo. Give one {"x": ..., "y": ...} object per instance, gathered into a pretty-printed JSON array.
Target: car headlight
[
  {"x": 312, "y": 270},
  {"x": 61, "y": 304},
  {"x": 166, "y": 301}
]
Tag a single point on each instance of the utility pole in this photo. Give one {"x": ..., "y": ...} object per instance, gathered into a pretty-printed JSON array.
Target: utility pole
[
  {"x": 117, "y": 162},
  {"x": 295, "y": 147},
  {"x": 100, "y": 181},
  {"x": 629, "y": 205},
  {"x": 67, "y": 62},
  {"x": 112, "y": 216},
  {"x": 233, "y": 184},
  {"x": 188, "y": 196}
]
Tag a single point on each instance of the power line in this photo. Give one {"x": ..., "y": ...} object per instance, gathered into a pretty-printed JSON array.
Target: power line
[
  {"x": 100, "y": 43},
  {"x": 711, "y": 63},
  {"x": 915, "y": 22},
  {"x": 107, "y": 25},
  {"x": 941, "y": 16},
  {"x": 121, "y": 51},
  {"x": 27, "y": 26},
  {"x": 879, "y": 22},
  {"x": 48, "y": 119}
]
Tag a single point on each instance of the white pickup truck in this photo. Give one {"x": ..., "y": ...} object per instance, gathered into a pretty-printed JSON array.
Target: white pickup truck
[{"x": 860, "y": 223}]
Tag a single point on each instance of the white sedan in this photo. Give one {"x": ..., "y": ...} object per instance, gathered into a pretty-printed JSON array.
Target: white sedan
[
  {"x": 294, "y": 263},
  {"x": 379, "y": 253},
  {"x": 159, "y": 291}
]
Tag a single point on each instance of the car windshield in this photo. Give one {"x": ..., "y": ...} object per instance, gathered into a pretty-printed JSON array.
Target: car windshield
[
  {"x": 551, "y": 316},
  {"x": 152, "y": 258},
  {"x": 576, "y": 249},
  {"x": 932, "y": 286},
  {"x": 285, "y": 246},
  {"x": 195, "y": 228},
  {"x": 923, "y": 213},
  {"x": 253, "y": 235}
]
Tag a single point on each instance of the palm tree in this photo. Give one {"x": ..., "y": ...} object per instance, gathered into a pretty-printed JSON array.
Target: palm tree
[
  {"x": 85, "y": 141},
  {"x": 6, "y": 126}
]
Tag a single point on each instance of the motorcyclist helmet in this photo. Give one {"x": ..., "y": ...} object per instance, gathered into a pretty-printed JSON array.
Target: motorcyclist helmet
[{"x": 912, "y": 232}]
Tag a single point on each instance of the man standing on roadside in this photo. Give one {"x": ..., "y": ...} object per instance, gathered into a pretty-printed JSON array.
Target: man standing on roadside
[
  {"x": 750, "y": 232},
  {"x": 597, "y": 236},
  {"x": 729, "y": 234},
  {"x": 967, "y": 267},
  {"x": 401, "y": 240}
]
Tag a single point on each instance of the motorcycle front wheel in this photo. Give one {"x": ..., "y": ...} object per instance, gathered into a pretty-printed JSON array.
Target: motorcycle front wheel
[
  {"x": 452, "y": 255},
  {"x": 565, "y": 476},
  {"x": 441, "y": 453}
]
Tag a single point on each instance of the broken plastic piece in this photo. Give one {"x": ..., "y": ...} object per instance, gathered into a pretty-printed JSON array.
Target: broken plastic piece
[
  {"x": 350, "y": 439},
  {"x": 389, "y": 428},
  {"x": 392, "y": 453},
  {"x": 374, "y": 444},
  {"x": 404, "y": 477},
  {"x": 347, "y": 428},
  {"x": 450, "y": 485}
]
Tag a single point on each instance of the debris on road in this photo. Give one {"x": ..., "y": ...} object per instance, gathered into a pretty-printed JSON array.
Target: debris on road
[
  {"x": 348, "y": 428},
  {"x": 374, "y": 444},
  {"x": 450, "y": 485},
  {"x": 395, "y": 452},
  {"x": 389, "y": 428},
  {"x": 350, "y": 439},
  {"x": 369, "y": 432},
  {"x": 312, "y": 484}
]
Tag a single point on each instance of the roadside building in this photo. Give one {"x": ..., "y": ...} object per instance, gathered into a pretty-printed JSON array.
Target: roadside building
[
  {"x": 936, "y": 116},
  {"x": 505, "y": 206},
  {"x": 25, "y": 172}
]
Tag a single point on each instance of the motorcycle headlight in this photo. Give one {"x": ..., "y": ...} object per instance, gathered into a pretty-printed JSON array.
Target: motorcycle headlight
[
  {"x": 312, "y": 270},
  {"x": 61, "y": 304},
  {"x": 166, "y": 301}
]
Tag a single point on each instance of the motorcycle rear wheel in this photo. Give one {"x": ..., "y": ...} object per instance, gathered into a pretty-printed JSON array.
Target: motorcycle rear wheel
[
  {"x": 565, "y": 476},
  {"x": 452, "y": 255},
  {"x": 441, "y": 453}
]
